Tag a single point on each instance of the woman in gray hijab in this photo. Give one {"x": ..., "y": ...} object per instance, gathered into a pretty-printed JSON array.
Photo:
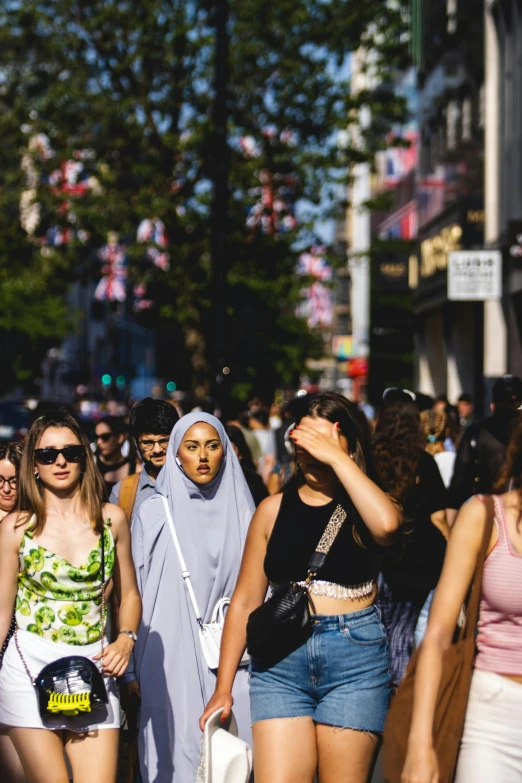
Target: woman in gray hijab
[{"x": 211, "y": 507}]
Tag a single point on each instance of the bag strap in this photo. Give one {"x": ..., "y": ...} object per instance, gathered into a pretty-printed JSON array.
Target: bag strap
[
  {"x": 325, "y": 544},
  {"x": 128, "y": 491},
  {"x": 467, "y": 631},
  {"x": 184, "y": 570}
]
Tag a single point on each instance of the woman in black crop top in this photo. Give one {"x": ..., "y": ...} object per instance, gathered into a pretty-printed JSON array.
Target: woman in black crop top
[{"x": 339, "y": 678}]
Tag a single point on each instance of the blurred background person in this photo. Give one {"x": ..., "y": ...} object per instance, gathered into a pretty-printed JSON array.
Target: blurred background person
[
  {"x": 435, "y": 427},
  {"x": 238, "y": 416},
  {"x": 258, "y": 422},
  {"x": 151, "y": 422},
  {"x": 413, "y": 564},
  {"x": 441, "y": 403},
  {"x": 275, "y": 416},
  {"x": 482, "y": 449},
  {"x": 11, "y": 770},
  {"x": 465, "y": 409},
  {"x": 453, "y": 429},
  {"x": 253, "y": 479},
  {"x": 110, "y": 434},
  {"x": 10, "y": 457}
]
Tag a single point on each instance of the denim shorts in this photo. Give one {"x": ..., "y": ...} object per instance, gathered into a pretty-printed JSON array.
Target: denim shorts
[{"x": 339, "y": 677}]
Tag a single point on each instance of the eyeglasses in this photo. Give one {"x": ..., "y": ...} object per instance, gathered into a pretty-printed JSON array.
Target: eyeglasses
[
  {"x": 394, "y": 391},
  {"x": 105, "y": 436},
  {"x": 147, "y": 445},
  {"x": 13, "y": 482},
  {"x": 49, "y": 456}
]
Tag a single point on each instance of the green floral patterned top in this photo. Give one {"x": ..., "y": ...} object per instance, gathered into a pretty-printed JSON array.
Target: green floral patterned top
[{"x": 58, "y": 601}]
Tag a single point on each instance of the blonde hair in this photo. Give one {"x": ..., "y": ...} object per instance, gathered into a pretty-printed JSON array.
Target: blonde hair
[
  {"x": 434, "y": 423},
  {"x": 31, "y": 494}
]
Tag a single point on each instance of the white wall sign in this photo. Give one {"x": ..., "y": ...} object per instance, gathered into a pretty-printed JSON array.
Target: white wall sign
[{"x": 474, "y": 275}]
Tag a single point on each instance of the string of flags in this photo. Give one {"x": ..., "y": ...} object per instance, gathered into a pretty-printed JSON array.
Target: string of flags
[
  {"x": 317, "y": 305},
  {"x": 273, "y": 213}
]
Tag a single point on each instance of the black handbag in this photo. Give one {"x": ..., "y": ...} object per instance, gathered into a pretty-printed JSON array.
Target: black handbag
[
  {"x": 284, "y": 622},
  {"x": 72, "y": 685}
]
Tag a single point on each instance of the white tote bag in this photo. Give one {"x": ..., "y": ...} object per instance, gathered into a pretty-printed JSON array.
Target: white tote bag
[{"x": 209, "y": 633}]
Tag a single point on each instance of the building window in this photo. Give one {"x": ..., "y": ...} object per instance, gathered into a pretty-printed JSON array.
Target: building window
[
  {"x": 452, "y": 124},
  {"x": 343, "y": 324},
  {"x": 481, "y": 107},
  {"x": 342, "y": 293},
  {"x": 451, "y": 11}
]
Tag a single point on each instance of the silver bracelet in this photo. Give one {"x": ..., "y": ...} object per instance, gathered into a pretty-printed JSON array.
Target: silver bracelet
[{"x": 130, "y": 634}]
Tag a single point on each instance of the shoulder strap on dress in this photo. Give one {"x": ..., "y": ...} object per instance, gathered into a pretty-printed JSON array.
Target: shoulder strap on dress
[{"x": 128, "y": 491}]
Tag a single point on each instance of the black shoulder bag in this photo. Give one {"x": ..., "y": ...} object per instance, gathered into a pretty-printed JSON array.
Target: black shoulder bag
[
  {"x": 283, "y": 623},
  {"x": 71, "y": 685}
]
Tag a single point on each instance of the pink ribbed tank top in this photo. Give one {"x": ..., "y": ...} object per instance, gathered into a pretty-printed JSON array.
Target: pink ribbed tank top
[{"x": 499, "y": 640}]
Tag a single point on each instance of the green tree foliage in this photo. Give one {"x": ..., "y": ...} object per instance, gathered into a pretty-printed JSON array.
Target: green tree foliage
[{"x": 132, "y": 81}]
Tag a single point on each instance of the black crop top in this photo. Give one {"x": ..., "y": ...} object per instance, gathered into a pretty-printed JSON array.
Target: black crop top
[{"x": 296, "y": 534}]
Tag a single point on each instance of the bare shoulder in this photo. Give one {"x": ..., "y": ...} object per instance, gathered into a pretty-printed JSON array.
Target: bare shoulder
[
  {"x": 269, "y": 507},
  {"x": 266, "y": 514},
  {"x": 116, "y": 516},
  {"x": 13, "y": 527},
  {"x": 471, "y": 521}
]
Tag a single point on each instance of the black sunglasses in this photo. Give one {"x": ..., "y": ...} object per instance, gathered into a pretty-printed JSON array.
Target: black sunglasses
[
  {"x": 105, "y": 436},
  {"x": 50, "y": 455}
]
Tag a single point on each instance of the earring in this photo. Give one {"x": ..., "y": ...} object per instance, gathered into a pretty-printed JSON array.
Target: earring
[{"x": 37, "y": 476}]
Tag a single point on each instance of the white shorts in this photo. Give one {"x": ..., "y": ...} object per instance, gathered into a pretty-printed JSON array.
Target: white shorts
[
  {"x": 18, "y": 700},
  {"x": 491, "y": 750}
]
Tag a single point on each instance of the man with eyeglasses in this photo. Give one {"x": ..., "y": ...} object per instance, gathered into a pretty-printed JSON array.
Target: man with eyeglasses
[{"x": 151, "y": 422}]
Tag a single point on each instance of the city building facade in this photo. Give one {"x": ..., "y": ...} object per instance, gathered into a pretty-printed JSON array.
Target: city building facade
[{"x": 503, "y": 181}]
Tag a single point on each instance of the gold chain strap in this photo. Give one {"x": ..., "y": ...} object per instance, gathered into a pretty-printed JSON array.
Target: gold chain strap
[{"x": 26, "y": 667}]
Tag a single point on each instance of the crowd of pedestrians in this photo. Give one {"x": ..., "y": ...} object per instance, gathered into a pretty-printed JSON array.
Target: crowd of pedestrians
[{"x": 328, "y": 534}]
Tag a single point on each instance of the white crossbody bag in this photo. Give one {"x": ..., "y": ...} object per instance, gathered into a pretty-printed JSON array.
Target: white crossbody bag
[{"x": 209, "y": 633}]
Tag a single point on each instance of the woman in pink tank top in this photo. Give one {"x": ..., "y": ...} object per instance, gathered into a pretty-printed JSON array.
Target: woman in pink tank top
[{"x": 491, "y": 749}]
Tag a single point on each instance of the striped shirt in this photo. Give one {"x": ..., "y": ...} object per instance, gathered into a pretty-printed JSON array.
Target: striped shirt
[{"x": 499, "y": 640}]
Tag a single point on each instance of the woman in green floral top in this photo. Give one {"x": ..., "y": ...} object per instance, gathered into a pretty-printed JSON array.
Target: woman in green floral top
[{"x": 53, "y": 573}]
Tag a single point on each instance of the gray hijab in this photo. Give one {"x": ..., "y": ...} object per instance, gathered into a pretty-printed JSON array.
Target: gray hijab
[{"x": 211, "y": 523}]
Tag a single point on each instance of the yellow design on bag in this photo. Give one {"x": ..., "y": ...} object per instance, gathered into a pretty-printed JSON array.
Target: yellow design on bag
[{"x": 69, "y": 703}]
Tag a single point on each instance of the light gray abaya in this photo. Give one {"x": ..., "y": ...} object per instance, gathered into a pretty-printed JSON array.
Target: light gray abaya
[{"x": 211, "y": 523}]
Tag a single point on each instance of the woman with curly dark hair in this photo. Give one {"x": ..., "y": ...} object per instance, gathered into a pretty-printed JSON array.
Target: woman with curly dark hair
[{"x": 411, "y": 570}]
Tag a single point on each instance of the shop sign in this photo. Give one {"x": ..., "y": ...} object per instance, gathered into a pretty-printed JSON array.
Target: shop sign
[
  {"x": 475, "y": 275},
  {"x": 392, "y": 273},
  {"x": 434, "y": 251}
]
